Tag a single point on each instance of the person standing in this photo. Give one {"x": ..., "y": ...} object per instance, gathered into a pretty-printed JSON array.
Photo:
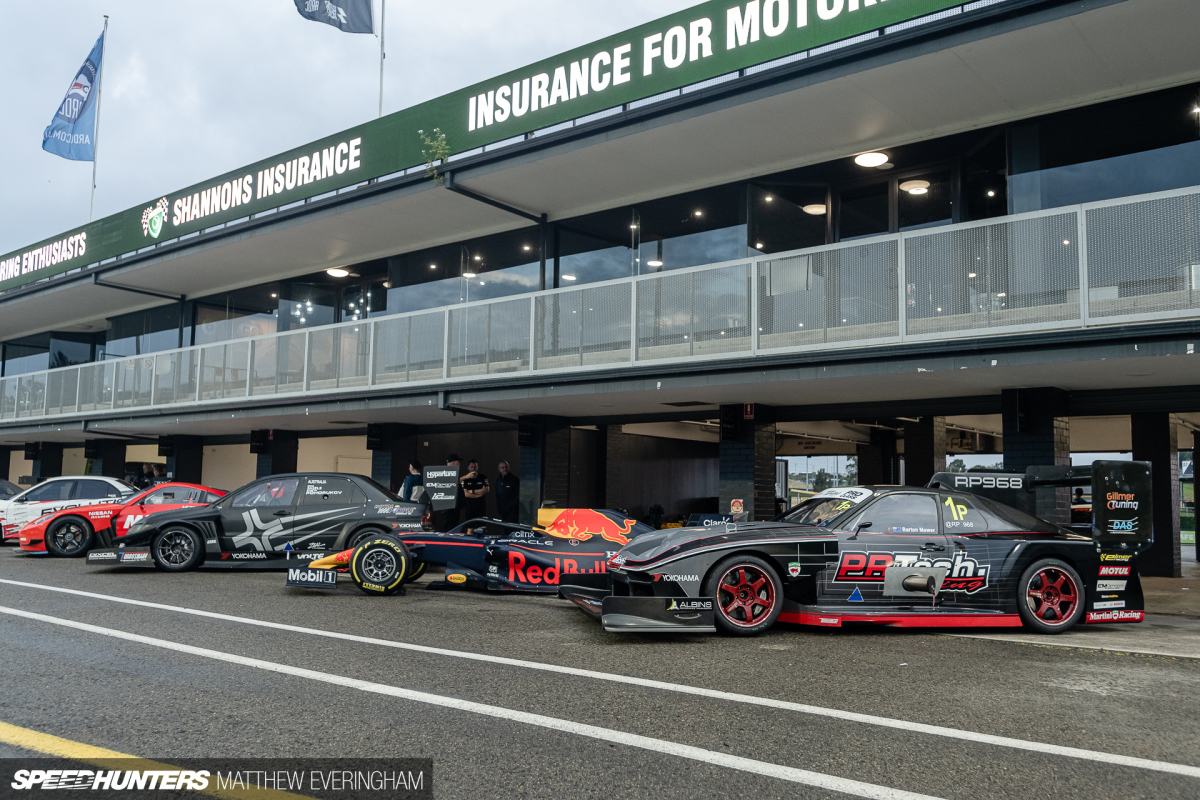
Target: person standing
[
  {"x": 475, "y": 489},
  {"x": 412, "y": 480},
  {"x": 508, "y": 494}
]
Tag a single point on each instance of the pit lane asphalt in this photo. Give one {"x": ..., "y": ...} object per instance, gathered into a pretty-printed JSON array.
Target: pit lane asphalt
[{"x": 160, "y": 704}]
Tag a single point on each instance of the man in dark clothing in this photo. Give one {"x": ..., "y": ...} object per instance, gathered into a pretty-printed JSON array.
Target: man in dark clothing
[
  {"x": 475, "y": 489},
  {"x": 508, "y": 494}
]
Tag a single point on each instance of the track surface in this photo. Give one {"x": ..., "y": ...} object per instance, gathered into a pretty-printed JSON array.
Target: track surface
[{"x": 142, "y": 698}]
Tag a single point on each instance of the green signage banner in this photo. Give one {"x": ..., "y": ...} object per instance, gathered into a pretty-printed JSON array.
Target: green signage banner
[{"x": 706, "y": 41}]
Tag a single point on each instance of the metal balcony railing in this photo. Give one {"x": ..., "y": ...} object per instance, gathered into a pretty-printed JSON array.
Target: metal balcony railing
[{"x": 1130, "y": 260}]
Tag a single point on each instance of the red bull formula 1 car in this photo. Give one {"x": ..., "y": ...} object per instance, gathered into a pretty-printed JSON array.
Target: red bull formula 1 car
[
  {"x": 949, "y": 555},
  {"x": 72, "y": 532},
  {"x": 483, "y": 554}
]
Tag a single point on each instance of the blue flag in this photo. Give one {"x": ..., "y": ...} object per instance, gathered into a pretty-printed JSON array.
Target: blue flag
[
  {"x": 351, "y": 16},
  {"x": 72, "y": 133}
]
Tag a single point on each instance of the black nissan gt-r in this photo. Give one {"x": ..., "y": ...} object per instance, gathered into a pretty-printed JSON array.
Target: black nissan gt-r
[
  {"x": 943, "y": 556},
  {"x": 270, "y": 523}
]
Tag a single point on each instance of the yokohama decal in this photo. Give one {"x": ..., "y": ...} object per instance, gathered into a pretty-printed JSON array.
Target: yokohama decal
[{"x": 964, "y": 574}]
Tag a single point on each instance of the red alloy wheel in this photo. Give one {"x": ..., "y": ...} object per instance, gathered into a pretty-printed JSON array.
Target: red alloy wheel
[
  {"x": 1052, "y": 596},
  {"x": 745, "y": 591}
]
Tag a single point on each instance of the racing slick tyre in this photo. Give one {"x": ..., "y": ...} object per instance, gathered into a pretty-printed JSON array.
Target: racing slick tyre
[
  {"x": 1050, "y": 596},
  {"x": 748, "y": 593},
  {"x": 69, "y": 537},
  {"x": 177, "y": 549},
  {"x": 380, "y": 565},
  {"x": 360, "y": 536},
  {"x": 418, "y": 569}
]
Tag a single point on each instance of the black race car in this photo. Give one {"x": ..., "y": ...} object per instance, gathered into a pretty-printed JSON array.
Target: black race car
[
  {"x": 483, "y": 554},
  {"x": 271, "y": 523},
  {"x": 947, "y": 555}
]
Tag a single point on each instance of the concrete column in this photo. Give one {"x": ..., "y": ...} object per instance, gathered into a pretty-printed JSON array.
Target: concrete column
[
  {"x": 545, "y": 444},
  {"x": 747, "y": 463},
  {"x": 924, "y": 450},
  {"x": 186, "y": 460},
  {"x": 49, "y": 462},
  {"x": 283, "y": 449},
  {"x": 1155, "y": 439},
  {"x": 1037, "y": 432},
  {"x": 395, "y": 446},
  {"x": 107, "y": 457},
  {"x": 878, "y": 463}
]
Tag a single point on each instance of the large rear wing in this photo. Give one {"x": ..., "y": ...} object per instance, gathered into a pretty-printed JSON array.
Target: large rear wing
[{"x": 1122, "y": 510}]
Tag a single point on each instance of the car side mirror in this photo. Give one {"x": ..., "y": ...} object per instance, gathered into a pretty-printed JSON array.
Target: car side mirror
[{"x": 860, "y": 529}]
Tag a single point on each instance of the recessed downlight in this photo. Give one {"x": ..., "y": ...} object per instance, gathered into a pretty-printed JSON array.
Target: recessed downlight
[
  {"x": 338, "y": 272},
  {"x": 915, "y": 187},
  {"x": 469, "y": 275},
  {"x": 654, "y": 263},
  {"x": 871, "y": 160},
  {"x": 570, "y": 278}
]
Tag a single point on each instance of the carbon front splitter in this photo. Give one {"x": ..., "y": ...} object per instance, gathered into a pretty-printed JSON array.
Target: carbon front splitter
[{"x": 621, "y": 614}]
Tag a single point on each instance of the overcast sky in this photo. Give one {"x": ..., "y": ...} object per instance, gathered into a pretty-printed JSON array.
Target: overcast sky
[{"x": 192, "y": 90}]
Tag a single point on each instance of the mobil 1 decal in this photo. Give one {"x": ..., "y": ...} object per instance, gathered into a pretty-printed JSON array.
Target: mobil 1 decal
[
  {"x": 964, "y": 574},
  {"x": 1121, "y": 507}
]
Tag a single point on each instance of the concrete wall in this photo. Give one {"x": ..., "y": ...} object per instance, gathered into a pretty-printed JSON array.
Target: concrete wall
[
  {"x": 18, "y": 466},
  {"x": 73, "y": 461},
  {"x": 347, "y": 454},
  {"x": 228, "y": 466},
  {"x": 679, "y": 475},
  {"x": 488, "y": 447}
]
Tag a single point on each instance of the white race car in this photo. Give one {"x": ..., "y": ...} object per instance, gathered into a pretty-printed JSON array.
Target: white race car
[{"x": 51, "y": 495}]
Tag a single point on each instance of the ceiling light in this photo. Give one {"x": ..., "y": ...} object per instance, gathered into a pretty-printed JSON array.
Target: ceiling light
[
  {"x": 871, "y": 160},
  {"x": 759, "y": 246},
  {"x": 274, "y": 294},
  {"x": 633, "y": 227},
  {"x": 654, "y": 263},
  {"x": 479, "y": 258},
  {"x": 526, "y": 248},
  {"x": 302, "y": 319},
  {"x": 816, "y": 209},
  {"x": 468, "y": 274},
  {"x": 770, "y": 199},
  {"x": 888, "y": 165},
  {"x": 433, "y": 266},
  {"x": 338, "y": 272},
  {"x": 386, "y": 285},
  {"x": 991, "y": 192},
  {"x": 698, "y": 213},
  {"x": 1066, "y": 241},
  {"x": 1002, "y": 294},
  {"x": 481, "y": 283},
  {"x": 569, "y": 278},
  {"x": 918, "y": 191},
  {"x": 915, "y": 187}
]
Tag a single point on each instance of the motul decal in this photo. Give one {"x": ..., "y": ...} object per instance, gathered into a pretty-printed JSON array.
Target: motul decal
[
  {"x": 965, "y": 574},
  {"x": 1117, "y": 572}
]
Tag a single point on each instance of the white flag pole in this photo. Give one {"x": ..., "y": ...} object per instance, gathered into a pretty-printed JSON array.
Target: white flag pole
[
  {"x": 382, "y": 52},
  {"x": 96, "y": 132}
]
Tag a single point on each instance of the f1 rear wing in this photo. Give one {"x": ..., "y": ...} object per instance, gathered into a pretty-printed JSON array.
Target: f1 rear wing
[{"x": 1122, "y": 511}]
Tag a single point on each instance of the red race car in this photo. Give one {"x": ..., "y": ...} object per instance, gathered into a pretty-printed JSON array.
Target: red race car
[{"x": 72, "y": 532}]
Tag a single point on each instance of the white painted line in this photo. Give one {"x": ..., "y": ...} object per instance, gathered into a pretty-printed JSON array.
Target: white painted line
[
  {"x": 783, "y": 705},
  {"x": 1070, "y": 644},
  {"x": 770, "y": 770}
]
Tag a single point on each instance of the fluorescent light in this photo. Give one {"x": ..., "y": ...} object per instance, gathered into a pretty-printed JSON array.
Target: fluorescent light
[
  {"x": 338, "y": 272},
  {"x": 570, "y": 278},
  {"x": 816, "y": 209},
  {"x": 654, "y": 263},
  {"x": 871, "y": 160}
]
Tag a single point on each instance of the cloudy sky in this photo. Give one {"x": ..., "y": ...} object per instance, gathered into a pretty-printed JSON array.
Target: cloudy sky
[{"x": 193, "y": 89}]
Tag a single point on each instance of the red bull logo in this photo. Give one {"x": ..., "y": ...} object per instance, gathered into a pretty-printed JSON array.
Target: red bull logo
[{"x": 581, "y": 524}]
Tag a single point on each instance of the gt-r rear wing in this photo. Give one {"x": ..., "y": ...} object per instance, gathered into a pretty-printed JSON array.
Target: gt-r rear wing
[{"x": 1122, "y": 510}]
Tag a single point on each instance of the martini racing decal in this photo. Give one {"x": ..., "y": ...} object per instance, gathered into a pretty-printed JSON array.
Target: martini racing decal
[
  {"x": 965, "y": 573},
  {"x": 1115, "y": 572},
  {"x": 1116, "y": 616}
]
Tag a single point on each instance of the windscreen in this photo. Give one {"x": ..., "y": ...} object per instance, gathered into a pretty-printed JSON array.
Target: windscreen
[{"x": 821, "y": 511}]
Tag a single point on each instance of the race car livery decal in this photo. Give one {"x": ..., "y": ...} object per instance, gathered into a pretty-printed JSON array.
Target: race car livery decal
[
  {"x": 965, "y": 573},
  {"x": 1121, "y": 558},
  {"x": 1111, "y": 586},
  {"x": 1116, "y": 616},
  {"x": 855, "y": 496},
  {"x": 581, "y": 524},
  {"x": 521, "y": 572},
  {"x": 1114, "y": 572}
]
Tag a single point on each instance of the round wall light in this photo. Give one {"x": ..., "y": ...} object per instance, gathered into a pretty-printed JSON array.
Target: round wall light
[{"x": 870, "y": 160}]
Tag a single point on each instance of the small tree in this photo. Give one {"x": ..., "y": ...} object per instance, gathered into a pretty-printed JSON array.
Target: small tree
[{"x": 436, "y": 151}]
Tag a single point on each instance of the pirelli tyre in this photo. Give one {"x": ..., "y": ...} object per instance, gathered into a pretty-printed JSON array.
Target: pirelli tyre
[
  {"x": 1050, "y": 596},
  {"x": 380, "y": 565},
  {"x": 177, "y": 549},
  {"x": 69, "y": 537},
  {"x": 748, "y": 594}
]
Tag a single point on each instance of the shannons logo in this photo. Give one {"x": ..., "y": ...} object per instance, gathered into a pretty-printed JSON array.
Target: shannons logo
[
  {"x": 690, "y": 605},
  {"x": 154, "y": 218},
  {"x": 168, "y": 780}
]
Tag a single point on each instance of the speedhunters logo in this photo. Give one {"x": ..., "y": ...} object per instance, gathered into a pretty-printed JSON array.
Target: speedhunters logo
[{"x": 113, "y": 779}]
